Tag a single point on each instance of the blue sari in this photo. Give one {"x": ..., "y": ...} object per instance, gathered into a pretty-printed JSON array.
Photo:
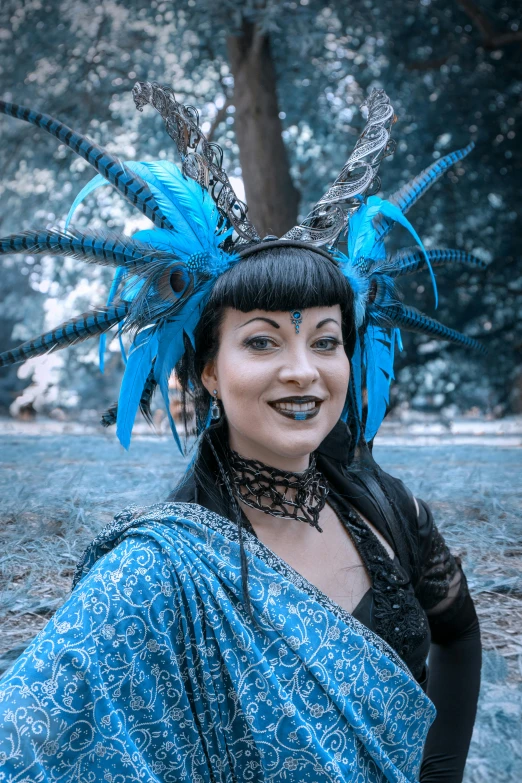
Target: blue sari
[{"x": 152, "y": 671}]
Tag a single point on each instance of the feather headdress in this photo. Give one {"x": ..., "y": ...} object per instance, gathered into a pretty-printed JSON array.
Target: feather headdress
[{"x": 164, "y": 275}]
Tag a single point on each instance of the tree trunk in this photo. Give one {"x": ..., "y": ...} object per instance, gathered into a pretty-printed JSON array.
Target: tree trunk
[{"x": 270, "y": 193}]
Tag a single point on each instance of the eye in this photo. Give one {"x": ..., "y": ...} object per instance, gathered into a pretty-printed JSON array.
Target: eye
[
  {"x": 326, "y": 344},
  {"x": 259, "y": 343}
]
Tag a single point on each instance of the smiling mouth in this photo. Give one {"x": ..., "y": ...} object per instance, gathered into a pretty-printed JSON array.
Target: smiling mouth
[{"x": 297, "y": 408}]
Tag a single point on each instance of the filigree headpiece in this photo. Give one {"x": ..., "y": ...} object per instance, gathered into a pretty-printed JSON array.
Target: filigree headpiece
[
  {"x": 201, "y": 160},
  {"x": 165, "y": 275}
]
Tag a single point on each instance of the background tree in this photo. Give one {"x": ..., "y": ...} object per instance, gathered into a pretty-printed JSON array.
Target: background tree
[{"x": 278, "y": 85}]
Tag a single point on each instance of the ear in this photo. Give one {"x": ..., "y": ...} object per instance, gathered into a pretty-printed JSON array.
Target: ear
[{"x": 209, "y": 377}]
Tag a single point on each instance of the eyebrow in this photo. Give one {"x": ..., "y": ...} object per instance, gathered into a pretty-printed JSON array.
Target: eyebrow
[
  {"x": 260, "y": 318},
  {"x": 276, "y": 325},
  {"x": 326, "y": 321}
]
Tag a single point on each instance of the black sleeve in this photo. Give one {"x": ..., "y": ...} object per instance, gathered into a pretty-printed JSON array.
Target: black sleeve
[{"x": 455, "y": 656}]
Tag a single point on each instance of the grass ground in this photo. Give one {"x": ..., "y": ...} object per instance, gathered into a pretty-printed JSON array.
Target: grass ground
[{"x": 57, "y": 491}]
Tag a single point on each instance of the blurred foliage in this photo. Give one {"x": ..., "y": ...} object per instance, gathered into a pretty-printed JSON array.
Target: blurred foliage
[{"x": 452, "y": 70}]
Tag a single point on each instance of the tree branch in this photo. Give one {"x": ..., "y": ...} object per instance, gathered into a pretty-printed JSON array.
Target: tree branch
[
  {"x": 478, "y": 18},
  {"x": 220, "y": 116},
  {"x": 491, "y": 37},
  {"x": 428, "y": 65}
]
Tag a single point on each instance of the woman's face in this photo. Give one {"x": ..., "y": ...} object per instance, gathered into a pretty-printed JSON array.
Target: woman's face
[{"x": 282, "y": 390}]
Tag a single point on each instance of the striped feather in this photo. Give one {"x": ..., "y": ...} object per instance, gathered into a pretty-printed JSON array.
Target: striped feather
[
  {"x": 120, "y": 177},
  {"x": 414, "y": 321},
  {"x": 409, "y": 194},
  {"x": 147, "y": 395},
  {"x": 110, "y": 416},
  {"x": 74, "y": 331},
  {"x": 100, "y": 248},
  {"x": 411, "y": 259}
]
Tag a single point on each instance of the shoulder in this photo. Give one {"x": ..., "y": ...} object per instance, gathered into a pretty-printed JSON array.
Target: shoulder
[
  {"x": 412, "y": 513},
  {"x": 144, "y": 527}
]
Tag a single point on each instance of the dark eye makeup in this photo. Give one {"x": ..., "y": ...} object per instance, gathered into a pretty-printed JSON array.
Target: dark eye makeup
[
  {"x": 253, "y": 342},
  {"x": 330, "y": 343}
]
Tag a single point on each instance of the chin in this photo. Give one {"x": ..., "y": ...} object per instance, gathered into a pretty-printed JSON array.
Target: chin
[{"x": 295, "y": 444}]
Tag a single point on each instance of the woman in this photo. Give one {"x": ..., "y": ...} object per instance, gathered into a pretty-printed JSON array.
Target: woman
[{"x": 216, "y": 636}]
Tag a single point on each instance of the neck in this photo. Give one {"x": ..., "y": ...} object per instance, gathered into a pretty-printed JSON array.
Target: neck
[
  {"x": 276, "y": 491},
  {"x": 251, "y": 450}
]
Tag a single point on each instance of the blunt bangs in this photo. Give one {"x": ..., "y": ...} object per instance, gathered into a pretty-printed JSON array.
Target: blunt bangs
[{"x": 283, "y": 279}]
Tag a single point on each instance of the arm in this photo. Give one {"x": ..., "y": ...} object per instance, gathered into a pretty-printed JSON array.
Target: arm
[
  {"x": 454, "y": 684},
  {"x": 455, "y": 657}
]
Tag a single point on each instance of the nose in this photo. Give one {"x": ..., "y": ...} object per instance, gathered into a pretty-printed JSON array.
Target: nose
[{"x": 298, "y": 366}]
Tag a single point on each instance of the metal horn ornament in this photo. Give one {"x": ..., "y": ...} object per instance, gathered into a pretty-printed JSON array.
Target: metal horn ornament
[{"x": 357, "y": 179}]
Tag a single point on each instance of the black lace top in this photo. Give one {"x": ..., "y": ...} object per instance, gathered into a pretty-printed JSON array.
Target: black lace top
[
  {"x": 422, "y": 594},
  {"x": 392, "y": 607}
]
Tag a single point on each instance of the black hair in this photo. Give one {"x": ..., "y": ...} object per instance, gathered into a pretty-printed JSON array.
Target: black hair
[{"x": 279, "y": 278}]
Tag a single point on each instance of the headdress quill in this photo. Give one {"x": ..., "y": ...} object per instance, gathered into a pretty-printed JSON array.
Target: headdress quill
[{"x": 164, "y": 275}]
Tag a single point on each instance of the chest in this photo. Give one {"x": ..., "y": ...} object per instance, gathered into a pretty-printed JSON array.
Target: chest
[{"x": 330, "y": 560}]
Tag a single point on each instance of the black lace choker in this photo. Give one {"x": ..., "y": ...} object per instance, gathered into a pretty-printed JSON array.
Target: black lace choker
[{"x": 267, "y": 489}]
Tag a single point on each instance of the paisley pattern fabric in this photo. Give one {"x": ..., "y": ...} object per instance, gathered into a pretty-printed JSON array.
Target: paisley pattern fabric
[{"x": 152, "y": 671}]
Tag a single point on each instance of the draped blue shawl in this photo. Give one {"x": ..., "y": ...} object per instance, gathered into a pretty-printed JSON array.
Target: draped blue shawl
[{"x": 152, "y": 671}]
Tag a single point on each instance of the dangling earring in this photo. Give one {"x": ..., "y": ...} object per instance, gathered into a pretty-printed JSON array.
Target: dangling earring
[{"x": 215, "y": 409}]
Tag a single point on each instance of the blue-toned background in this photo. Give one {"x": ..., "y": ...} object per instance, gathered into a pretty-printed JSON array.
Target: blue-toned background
[{"x": 453, "y": 71}]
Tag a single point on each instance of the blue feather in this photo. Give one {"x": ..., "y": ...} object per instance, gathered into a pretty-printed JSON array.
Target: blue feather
[
  {"x": 101, "y": 352},
  {"x": 191, "y": 211},
  {"x": 171, "y": 345},
  {"x": 139, "y": 364},
  {"x": 159, "y": 238},
  {"x": 196, "y": 205},
  {"x": 378, "y": 360},
  {"x": 122, "y": 347},
  {"x": 95, "y": 182},
  {"x": 393, "y": 212}
]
